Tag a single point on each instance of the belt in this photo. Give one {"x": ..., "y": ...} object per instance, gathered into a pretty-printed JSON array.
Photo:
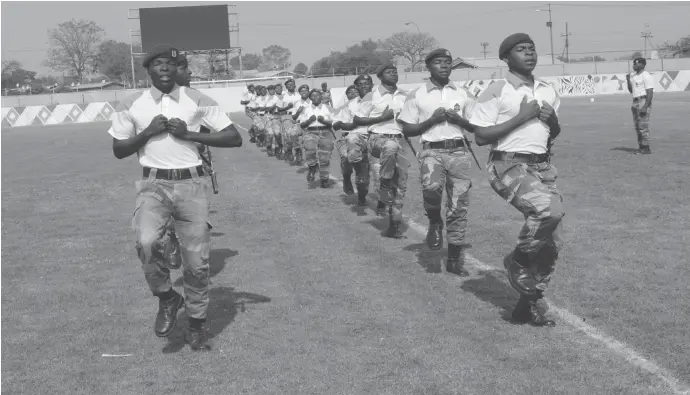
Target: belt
[
  {"x": 529, "y": 158},
  {"x": 389, "y": 135},
  {"x": 281, "y": 113},
  {"x": 174, "y": 174},
  {"x": 317, "y": 128},
  {"x": 445, "y": 144},
  {"x": 639, "y": 98}
]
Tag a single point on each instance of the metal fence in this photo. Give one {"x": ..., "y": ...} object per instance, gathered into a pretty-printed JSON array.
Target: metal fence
[{"x": 548, "y": 70}]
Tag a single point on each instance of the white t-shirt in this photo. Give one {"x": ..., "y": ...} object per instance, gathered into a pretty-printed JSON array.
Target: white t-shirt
[
  {"x": 322, "y": 110},
  {"x": 163, "y": 151},
  {"x": 640, "y": 83},
  {"x": 291, "y": 98},
  {"x": 501, "y": 101}
]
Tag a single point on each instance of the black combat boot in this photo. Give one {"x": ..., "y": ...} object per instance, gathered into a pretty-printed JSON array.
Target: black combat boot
[
  {"x": 347, "y": 184},
  {"x": 456, "y": 260},
  {"x": 362, "y": 192},
  {"x": 434, "y": 236},
  {"x": 278, "y": 152},
  {"x": 311, "y": 174},
  {"x": 394, "y": 226},
  {"x": 325, "y": 184},
  {"x": 288, "y": 156},
  {"x": 168, "y": 304},
  {"x": 644, "y": 149},
  {"x": 197, "y": 336},
  {"x": 269, "y": 150},
  {"x": 380, "y": 208},
  {"x": 298, "y": 156},
  {"x": 537, "y": 311}
]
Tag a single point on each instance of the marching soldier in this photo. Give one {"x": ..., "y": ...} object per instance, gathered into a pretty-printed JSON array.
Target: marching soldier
[
  {"x": 271, "y": 102},
  {"x": 386, "y": 144},
  {"x": 356, "y": 142},
  {"x": 162, "y": 126},
  {"x": 518, "y": 117},
  {"x": 434, "y": 111},
  {"x": 641, "y": 85},
  {"x": 343, "y": 115},
  {"x": 246, "y": 99},
  {"x": 296, "y": 133},
  {"x": 260, "y": 118},
  {"x": 316, "y": 120},
  {"x": 290, "y": 98}
]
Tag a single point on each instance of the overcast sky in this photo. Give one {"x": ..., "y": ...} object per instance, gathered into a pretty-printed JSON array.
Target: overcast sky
[{"x": 311, "y": 29}]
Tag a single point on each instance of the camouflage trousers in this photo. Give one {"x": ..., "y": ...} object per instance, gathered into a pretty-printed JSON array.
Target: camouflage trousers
[
  {"x": 249, "y": 112},
  {"x": 318, "y": 148},
  {"x": 286, "y": 123},
  {"x": 294, "y": 134},
  {"x": 390, "y": 171},
  {"x": 274, "y": 131},
  {"x": 531, "y": 189},
  {"x": 160, "y": 205},
  {"x": 449, "y": 168},
  {"x": 354, "y": 156},
  {"x": 641, "y": 123}
]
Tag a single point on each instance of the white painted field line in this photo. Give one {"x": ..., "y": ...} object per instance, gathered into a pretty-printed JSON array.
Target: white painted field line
[{"x": 676, "y": 386}]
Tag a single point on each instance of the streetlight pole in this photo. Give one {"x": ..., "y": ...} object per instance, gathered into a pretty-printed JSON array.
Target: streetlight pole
[{"x": 550, "y": 25}]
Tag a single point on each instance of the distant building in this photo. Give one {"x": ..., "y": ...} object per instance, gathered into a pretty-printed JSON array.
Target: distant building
[{"x": 494, "y": 63}]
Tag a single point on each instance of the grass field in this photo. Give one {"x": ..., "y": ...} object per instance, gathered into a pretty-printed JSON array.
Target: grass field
[{"x": 308, "y": 298}]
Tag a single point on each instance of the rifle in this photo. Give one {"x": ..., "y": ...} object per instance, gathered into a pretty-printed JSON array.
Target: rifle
[
  {"x": 469, "y": 148},
  {"x": 209, "y": 163}
]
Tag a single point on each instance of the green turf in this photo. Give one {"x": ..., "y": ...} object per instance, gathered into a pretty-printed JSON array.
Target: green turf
[{"x": 307, "y": 298}]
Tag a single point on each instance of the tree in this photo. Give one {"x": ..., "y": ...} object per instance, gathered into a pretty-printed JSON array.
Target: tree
[
  {"x": 13, "y": 74},
  {"x": 301, "y": 68},
  {"x": 680, "y": 48},
  {"x": 74, "y": 47},
  {"x": 9, "y": 66},
  {"x": 410, "y": 46},
  {"x": 250, "y": 61},
  {"x": 364, "y": 57},
  {"x": 275, "y": 57},
  {"x": 114, "y": 60}
]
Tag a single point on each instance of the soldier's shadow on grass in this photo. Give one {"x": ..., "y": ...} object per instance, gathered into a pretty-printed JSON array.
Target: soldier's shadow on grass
[
  {"x": 217, "y": 262},
  {"x": 492, "y": 287},
  {"x": 351, "y": 200},
  {"x": 624, "y": 149},
  {"x": 225, "y": 303},
  {"x": 431, "y": 261},
  {"x": 382, "y": 223}
]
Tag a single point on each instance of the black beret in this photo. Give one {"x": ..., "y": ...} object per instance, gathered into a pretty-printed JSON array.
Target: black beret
[
  {"x": 385, "y": 67},
  {"x": 271, "y": 87},
  {"x": 290, "y": 80},
  {"x": 304, "y": 86},
  {"x": 182, "y": 60},
  {"x": 436, "y": 53},
  {"x": 158, "y": 51},
  {"x": 511, "y": 41},
  {"x": 363, "y": 77},
  {"x": 314, "y": 90}
]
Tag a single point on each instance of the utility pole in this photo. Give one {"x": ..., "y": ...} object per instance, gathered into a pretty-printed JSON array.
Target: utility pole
[
  {"x": 567, "y": 43},
  {"x": 646, "y": 35},
  {"x": 484, "y": 44}
]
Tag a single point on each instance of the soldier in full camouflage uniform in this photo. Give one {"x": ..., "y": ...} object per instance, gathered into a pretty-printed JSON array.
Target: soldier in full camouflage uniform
[{"x": 162, "y": 126}]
